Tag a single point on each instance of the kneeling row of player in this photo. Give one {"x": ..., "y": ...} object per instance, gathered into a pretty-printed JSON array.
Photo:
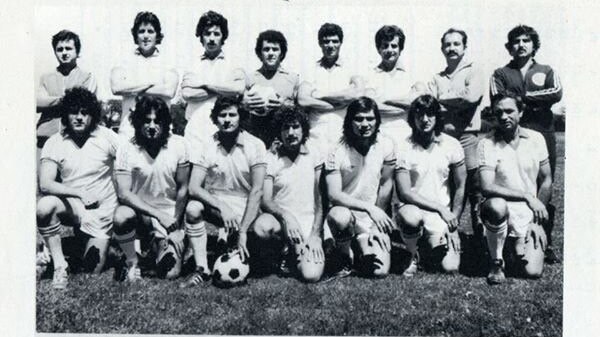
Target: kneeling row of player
[{"x": 233, "y": 176}]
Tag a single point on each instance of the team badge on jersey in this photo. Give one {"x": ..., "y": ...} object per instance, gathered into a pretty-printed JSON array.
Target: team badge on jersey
[{"x": 538, "y": 79}]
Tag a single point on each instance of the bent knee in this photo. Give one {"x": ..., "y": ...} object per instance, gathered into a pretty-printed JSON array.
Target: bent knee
[
  {"x": 48, "y": 206},
  {"x": 266, "y": 226},
  {"x": 410, "y": 216},
  {"x": 123, "y": 215},
  {"x": 193, "y": 211},
  {"x": 494, "y": 210},
  {"x": 339, "y": 217}
]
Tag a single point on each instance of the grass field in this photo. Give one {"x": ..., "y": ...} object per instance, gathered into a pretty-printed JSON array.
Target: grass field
[{"x": 427, "y": 304}]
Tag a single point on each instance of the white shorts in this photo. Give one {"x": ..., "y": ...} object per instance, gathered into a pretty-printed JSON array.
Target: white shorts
[
  {"x": 236, "y": 203},
  {"x": 435, "y": 228},
  {"x": 96, "y": 222},
  {"x": 520, "y": 216}
]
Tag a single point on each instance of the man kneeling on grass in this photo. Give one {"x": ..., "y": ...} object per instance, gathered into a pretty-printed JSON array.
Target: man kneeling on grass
[
  {"x": 82, "y": 155},
  {"x": 152, "y": 172},
  {"x": 430, "y": 180},
  {"x": 291, "y": 199},
  {"x": 225, "y": 185},
  {"x": 516, "y": 181},
  {"x": 359, "y": 183}
]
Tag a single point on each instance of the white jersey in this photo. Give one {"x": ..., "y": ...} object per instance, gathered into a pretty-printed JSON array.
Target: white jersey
[
  {"x": 388, "y": 85},
  {"x": 140, "y": 69},
  {"x": 515, "y": 168},
  {"x": 228, "y": 174},
  {"x": 218, "y": 71},
  {"x": 154, "y": 179},
  {"x": 361, "y": 174},
  {"x": 430, "y": 168},
  {"x": 293, "y": 188},
  {"x": 326, "y": 127},
  {"x": 89, "y": 168}
]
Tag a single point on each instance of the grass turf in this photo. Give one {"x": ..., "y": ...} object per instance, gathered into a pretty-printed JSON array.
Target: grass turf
[{"x": 427, "y": 304}]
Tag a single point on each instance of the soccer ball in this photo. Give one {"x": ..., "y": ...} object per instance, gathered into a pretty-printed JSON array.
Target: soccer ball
[
  {"x": 266, "y": 93},
  {"x": 229, "y": 270}
]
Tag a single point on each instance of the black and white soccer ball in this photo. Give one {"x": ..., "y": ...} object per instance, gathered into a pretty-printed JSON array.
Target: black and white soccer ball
[{"x": 229, "y": 270}]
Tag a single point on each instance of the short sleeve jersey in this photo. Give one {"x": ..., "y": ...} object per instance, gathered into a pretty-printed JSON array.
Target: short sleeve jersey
[
  {"x": 140, "y": 69},
  {"x": 515, "y": 168},
  {"x": 361, "y": 174},
  {"x": 89, "y": 167},
  {"x": 154, "y": 179},
  {"x": 285, "y": 83},
  {"x": 293, "y": 181},
  {"x": 336, "y": 78},
  {"x": 430, "y": 168},
  {"x": 466, "y": 82},
  {"x": 229, "y": 173}
]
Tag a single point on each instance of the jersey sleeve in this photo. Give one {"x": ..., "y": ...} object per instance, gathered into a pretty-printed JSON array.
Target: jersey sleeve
[
  {"x": 123, "y": 161},
  {"x": 552, "y": 91},
  {"x": 457, "y": 154},
  {"x": 389, "y": 154},
  {"x": 272, "y": 167},
  {"x": 497, "y": 84},
  {"x": 90, "y": 83},
  {"x": 257, "y": 154},
  {"x": 486, "y": 157},
  {"x": 203, "y": 156},
  {"x": 333, "y": 160},
  {"x": 52, "y": 150},
  {"x": 541, "y": 149}
]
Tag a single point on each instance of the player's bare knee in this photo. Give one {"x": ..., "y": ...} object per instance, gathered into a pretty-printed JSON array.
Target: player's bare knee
[
  {"x": 193, "y": 211},
  {"x": 494, "y": 210},
  {"x": 47, "y": 207},
  {"x": 339, "y": 218},
  {"x": 123, "y": 218},
  {"x": 266, "y": 226},
  {"x": 410, "y": 217}
]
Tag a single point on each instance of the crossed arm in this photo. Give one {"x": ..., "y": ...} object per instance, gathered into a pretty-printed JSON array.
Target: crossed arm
[
  {"x": 122, "y": 85},
  {"x": 195, "y": 88}
]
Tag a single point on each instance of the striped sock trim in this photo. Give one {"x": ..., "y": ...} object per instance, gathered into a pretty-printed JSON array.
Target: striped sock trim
[
  {"x": 501, "y": 227},
  {"x": 50, "y": 230},
  {"x": 124, "y": 238},
  {"x": 195, "y": 229}
]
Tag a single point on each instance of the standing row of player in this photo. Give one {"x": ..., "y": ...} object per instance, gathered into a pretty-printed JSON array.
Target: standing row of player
[{"x": 325, "y": 93}]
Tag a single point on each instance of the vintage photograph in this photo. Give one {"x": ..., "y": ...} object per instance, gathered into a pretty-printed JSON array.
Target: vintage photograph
[{"x": 291, "y": 168}]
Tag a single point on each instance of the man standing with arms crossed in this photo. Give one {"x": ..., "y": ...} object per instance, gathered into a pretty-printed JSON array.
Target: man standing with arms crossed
[
  {"x": 211, "y": 75},
  {"x": 144, "y": 71},
  {"x": 329, "y": 88},
  {"x": 539, "y": 88},
  {"x": 459, "y": 89}
]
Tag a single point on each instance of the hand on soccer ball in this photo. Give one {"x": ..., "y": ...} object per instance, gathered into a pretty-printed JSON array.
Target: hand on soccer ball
[
  {"x": 381, "y": 239},
  {"x": 540, "y": 213},
  {"x": 89, "y": 200},
  {"x": 381, "y": 219},
  {"x": 252, "y": 100},
  {"x": 230, "y": 221},
  {"x": 292, "y": 228},
  {"x": 314, "y": 249}
]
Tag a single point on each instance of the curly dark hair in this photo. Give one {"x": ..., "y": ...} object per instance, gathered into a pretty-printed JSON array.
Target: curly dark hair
[
  {"x": 272, "y": 36},
  {"x": 143, "y": 106},
  {"x": 387, "y": 33},
  {"x": 224, "y": 102},
  {"x": 210, "y": 19},
  {"x": 65, "y": 35},
  {"x": 426, "y": 104},
  {"x": 360, "y": 105},
  {"x": 330, "y": 29},
  {"x": 149, "y": 18},
  {"x": 75, "y": 100},
  {"x": 288, "y": 115},
  {"x": 523, "y": 30}
]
